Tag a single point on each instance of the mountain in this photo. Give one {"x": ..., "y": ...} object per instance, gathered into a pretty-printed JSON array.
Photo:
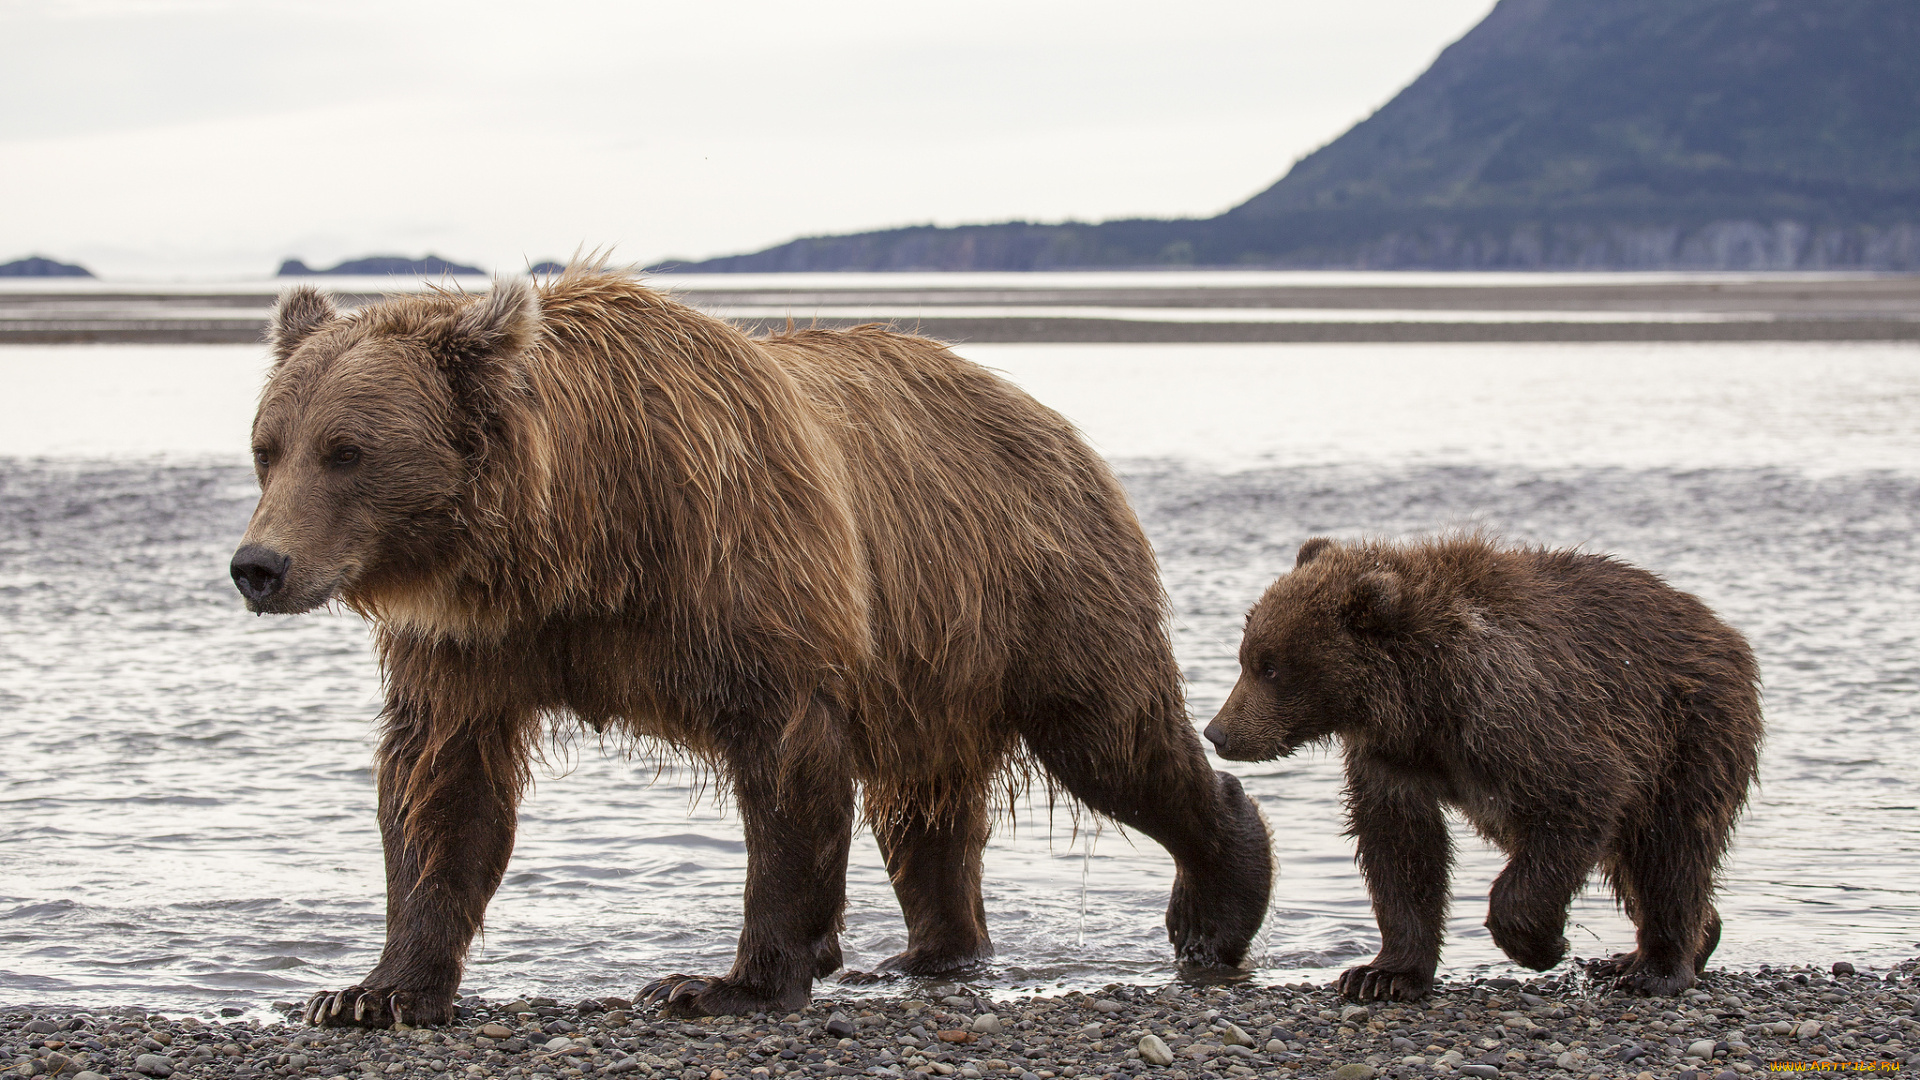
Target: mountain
[
  {"x": 1625, "y": 134},
  {"x": 380, "y": 265},
  {"x": 37, "y": 266}
]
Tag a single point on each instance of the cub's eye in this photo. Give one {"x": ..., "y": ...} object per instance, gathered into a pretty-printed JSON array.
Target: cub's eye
[
  {"x": 1270, "y": 674},
  {"x": 262, "y": 459},
  {"x": 345, "y": 455}
]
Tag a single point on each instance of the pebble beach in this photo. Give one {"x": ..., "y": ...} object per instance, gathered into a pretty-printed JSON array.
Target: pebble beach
[{"x": 1731, "y": 1024}]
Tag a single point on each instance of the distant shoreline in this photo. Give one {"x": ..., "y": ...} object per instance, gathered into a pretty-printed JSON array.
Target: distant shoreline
[{"x": 1113, "y": 309}]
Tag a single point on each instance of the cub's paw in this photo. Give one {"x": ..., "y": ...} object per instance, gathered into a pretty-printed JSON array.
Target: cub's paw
[
  {"x": 1528, "y": 946},
  {"x": 1371, "y": 982},
  {"x": 702, "y": 995},
  {"x": 1629, "y": 974},
  {"x": 378, "y": 1007}
]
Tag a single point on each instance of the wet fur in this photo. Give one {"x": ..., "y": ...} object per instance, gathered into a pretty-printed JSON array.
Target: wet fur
[
  {"x": 1577, "y": 711},
  {"x": 817, "y": 560}
]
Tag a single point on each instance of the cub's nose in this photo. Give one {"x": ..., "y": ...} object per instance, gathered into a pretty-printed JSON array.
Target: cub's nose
[
  {"x": 1218, "y": 737},
  {"x": 259, "y": 572}
]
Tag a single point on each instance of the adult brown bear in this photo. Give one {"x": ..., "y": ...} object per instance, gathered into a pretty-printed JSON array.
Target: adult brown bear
[
  {"x": 1576, "y": 710},
  {"x": 818, "y": 560}
]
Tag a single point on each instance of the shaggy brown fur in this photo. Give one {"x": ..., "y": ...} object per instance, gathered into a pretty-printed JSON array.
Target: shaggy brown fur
[
  {"x": 815, "y": 561},
  {"x": 1576, "y": 710}
]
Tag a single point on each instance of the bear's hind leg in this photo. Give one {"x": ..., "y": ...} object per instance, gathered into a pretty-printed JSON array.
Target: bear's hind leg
[
  {"x": 797, "y": 810},
  {"x": 1663, "y": 872},
  {"x": 1406, "y": 856},
  {"x": 933, "y": 857},
  {"x": 1160, "y": 783}
]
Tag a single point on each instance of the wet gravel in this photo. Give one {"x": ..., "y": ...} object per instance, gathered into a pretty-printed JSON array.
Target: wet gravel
[{"x": 1731, "y": 1024}]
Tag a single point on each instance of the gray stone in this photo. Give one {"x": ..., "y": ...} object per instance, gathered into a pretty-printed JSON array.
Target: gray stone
[
  {"x": 1105, "y": 1006},
  {"x": 1232, "y": 1034},
  {"x": 153, "y": 1065},
  {"x": 1841, "y": 967},
  {"x": 1701, "y": 1048},
  {"x": 1807, "y": 1030},
  {"x": 987, "y": 1024},
  {"x": 1354, "y": 1071},
  {"x": 88, "y": 1074},
  {"x": 1154, "y": 1050},
  {"x": 1477, "y": 1070}
]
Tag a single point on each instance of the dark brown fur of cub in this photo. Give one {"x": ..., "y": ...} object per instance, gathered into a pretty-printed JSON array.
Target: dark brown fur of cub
[
  {"x": 1577, "y": 711},
  {"x": 816, "y": 561}
]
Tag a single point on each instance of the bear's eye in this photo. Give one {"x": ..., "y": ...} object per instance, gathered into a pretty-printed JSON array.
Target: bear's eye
[
  {"x": 261, "y": 457},
  {"x": 345, "y": 455},
  {"x": 1270, "y": 673}
]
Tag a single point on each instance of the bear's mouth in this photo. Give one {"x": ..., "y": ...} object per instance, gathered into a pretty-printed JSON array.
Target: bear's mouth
[{"x": 289, "y": 601}]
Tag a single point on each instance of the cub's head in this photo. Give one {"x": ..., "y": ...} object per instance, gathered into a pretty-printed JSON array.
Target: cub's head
[
  {"x": 1308, "y": 660},
  {"x": 367, "y": 435}
]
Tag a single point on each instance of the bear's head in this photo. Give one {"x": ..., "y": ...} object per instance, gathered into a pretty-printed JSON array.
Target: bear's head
[
  {"x": 367, "y": 435},
  {"x": 1309, "y": 661}
]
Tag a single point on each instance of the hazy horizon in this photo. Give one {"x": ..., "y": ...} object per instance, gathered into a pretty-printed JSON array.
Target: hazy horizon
[{"x": 209, "y": 138}]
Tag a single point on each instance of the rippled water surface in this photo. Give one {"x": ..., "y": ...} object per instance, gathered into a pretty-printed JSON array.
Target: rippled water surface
[{"x": 187, "y": 817}]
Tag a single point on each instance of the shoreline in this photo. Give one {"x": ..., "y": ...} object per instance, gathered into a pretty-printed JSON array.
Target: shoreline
[
  {"x": 1110, "y": 309},
  {"x": 1731, "y": 1024}
]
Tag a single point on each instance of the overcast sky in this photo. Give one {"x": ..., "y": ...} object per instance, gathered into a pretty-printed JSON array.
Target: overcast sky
[{"x": 206, "y": 138}]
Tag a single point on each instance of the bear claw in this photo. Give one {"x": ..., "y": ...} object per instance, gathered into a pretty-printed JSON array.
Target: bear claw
[
  {"x": 374, "y": 1007},
  {"x": 1629, "y": 974},
  {"x": 673, "y": 988},
  {"x": 1370, "y": 983}
]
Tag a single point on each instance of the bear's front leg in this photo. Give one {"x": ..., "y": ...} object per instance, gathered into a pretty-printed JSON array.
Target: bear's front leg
[
  {"x": 1527, "y": 908},
  {"x": 797, "y": 809},
  {"x": 1406, "y": 856},
  {"x": 447, "y": 823}
]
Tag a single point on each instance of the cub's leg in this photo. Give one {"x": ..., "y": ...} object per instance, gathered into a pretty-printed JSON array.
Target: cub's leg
[
  {"x": 1667, "y": 856},
  {"x": 447, "y": 823},
  {"x": 1527, "y": 910},
  {"x": 1663, "y": 871},
  {"x": 933, "y": 857},
  {"x": 1406, "y": 856},
  {"x": 797, "y": 809},
  {"x": 1156, "y": 778}
]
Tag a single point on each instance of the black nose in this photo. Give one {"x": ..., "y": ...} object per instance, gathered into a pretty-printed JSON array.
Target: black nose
[
  {"x": 259, "y": 572},
  {"x": 1217, "y": 737}
]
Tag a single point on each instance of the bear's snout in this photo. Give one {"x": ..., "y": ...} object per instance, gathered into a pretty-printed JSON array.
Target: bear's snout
[
  {"x": 1216, "y": 734},
  {"x": 259, "y": 572}
]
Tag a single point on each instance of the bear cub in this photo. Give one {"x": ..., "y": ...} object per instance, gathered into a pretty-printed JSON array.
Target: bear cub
[{"x": 1577, "y": 711}]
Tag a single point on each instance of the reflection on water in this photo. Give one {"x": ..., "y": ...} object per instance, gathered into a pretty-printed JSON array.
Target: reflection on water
[{"x": 187, "y": 812}]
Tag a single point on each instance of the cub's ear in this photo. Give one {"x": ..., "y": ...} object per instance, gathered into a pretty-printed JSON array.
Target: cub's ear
[
  {"x": 1374, "y": 605},
  {"x": 300, "y": 312},
  {"x": 1311, "y": 550}
]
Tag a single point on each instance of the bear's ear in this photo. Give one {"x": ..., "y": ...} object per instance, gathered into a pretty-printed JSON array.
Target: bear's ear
[
  {"x": 300, "y": 312},
  {"x": 504, "y": 324},
  {"x": 1374, "y": 606},
  {"x": 480, "y": 347},
  {"x": 1311, "y": 550}
]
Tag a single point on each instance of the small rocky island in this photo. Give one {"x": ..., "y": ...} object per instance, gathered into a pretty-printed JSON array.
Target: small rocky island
[
  {"x": 381, "y": 266},
  {"x": 40, "y": 266}
]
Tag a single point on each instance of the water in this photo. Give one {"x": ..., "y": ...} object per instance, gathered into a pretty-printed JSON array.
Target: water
[{"x": 188, "y": 811}]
